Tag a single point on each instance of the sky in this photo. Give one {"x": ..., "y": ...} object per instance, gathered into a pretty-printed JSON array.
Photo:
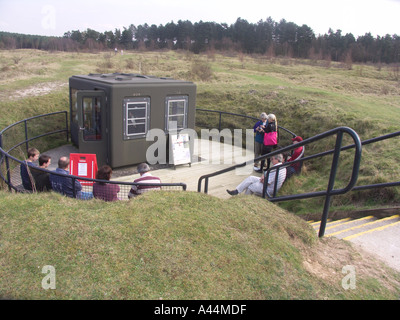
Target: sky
[{"x": 55, "y": 17}]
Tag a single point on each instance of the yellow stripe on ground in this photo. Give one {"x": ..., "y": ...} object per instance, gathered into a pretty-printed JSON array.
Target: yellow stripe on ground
[
  {"x": 338, "y": 222},
  {"x": 335, "y": 221},
  {"x": 362, "y": 225},
  {"x": 371, "y": 230},
  {"x": 318, "y": 222},
  {"x": 344, "y": 223}
]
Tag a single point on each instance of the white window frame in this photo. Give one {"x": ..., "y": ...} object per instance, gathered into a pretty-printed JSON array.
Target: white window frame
[
  {"x": 128, "y": 103},
  {"x": 168, "y": 101}
]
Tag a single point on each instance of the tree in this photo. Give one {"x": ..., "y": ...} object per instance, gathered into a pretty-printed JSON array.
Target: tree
[
  {"x": 127, "y": 37},
  {"x": 264, "y": 35},
  {"x": 304, "y": 39},
  {"x": 184, "y": 34}
]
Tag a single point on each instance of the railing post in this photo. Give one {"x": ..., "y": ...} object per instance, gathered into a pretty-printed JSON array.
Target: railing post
[
  {"x": 331, "y": 183},
  {"x": 66, "y": 125},
  {"x": 73, "y": 188},
  {"x": 26, "y": 135},
  {"x": 7, "y": 164}
]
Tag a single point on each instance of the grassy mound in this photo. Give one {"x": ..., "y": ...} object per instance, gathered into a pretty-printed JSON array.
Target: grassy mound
[{"x": 176, "y": 245}]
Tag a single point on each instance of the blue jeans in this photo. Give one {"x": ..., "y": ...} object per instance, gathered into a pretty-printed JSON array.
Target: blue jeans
[{"x": 84, "y": 195}]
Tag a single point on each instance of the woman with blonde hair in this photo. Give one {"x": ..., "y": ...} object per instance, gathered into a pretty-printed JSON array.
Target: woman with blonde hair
[{"x": 270, "y": 139}]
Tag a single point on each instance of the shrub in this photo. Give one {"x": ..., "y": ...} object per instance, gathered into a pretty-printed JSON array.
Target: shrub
[{"x": 201, "y": 70}]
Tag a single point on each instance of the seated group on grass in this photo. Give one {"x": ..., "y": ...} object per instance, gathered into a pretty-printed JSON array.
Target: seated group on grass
[
  {"x": 109, "y": 192},
  {"x": 40, "y": 181},
  {"x": 43, "y": 181}
]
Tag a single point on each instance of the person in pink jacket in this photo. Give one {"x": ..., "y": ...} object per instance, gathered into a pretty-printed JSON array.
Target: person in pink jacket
[{"x": 270, "y": 139}]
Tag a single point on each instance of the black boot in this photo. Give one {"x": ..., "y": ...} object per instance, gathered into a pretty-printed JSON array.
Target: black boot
[{"x": 232, "y": 192}]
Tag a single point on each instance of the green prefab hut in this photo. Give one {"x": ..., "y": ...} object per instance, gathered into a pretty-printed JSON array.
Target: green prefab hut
[{"x": 111, "y": 114}]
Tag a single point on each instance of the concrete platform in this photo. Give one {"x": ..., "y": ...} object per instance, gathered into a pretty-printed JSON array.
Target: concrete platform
[
  {"x": 212, "y": 156},
  {"x": 209, "y": 157}
]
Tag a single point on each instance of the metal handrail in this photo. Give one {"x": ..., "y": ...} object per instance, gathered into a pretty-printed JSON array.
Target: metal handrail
[
  {"x": 240, "y": 116},
  {"x": 5, "y": 154},
  {"x": 25, "y": 121},
  {"x": 330, "y": 190}
]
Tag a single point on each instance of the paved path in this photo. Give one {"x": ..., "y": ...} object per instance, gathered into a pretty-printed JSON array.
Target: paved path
[
  {"x": 385, "y": 244},
  {"x": 212, "y": 159},
  {"x": 378, "y": 235}
]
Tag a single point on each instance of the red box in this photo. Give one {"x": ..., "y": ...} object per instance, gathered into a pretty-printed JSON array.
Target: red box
[{"x": 83, "y": 165}]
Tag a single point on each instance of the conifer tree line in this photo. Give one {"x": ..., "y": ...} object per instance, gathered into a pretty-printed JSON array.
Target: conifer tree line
[{"x": 267, "y": 37}]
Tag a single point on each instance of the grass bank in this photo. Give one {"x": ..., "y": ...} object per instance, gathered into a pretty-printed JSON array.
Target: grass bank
[{"x": 176, "y": 245}]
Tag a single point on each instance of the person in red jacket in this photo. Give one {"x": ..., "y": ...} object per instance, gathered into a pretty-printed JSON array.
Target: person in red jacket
[{"x": 295, "y": 167}]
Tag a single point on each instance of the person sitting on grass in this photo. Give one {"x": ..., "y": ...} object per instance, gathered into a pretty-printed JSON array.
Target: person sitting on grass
[
  {"x": 102, "y": 190},
  {"x": 64, "y": 185},
  {"x": 146, "y": 181},
  {"x": 41, "y": 178},
  {"x": 255, "y": 185},
  {"x": 33, "y": 155},
  {"x": 295, "y": 167}
]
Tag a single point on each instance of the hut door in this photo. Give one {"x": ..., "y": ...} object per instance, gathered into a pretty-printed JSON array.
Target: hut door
[{"x": 92, "y": 124}]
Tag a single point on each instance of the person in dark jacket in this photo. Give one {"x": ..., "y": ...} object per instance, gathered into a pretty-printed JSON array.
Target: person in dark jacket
[
  {"x": 64, "y": 185},
  {"x": 33, "y": 155},
  {"x": 270, "y": 139},
  {"x": 259, "y": 137},
  {"x": 41, "y": 178}
]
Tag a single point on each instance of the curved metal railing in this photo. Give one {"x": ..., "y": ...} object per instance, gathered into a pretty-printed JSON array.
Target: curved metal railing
[{"x": 9, "y": 165}]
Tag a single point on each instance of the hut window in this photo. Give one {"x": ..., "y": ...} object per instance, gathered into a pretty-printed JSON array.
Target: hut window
[
  {"x": 176, "y": 112},
  {"x": 136, "y": 117},
  {"x": 91, "y": 118}
]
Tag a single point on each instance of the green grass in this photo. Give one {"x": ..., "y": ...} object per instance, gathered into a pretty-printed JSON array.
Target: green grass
[
  {"x": 308, "y": 97},
  {"x": 192, "y": 246},
  {"x": 177, "y": 245}
]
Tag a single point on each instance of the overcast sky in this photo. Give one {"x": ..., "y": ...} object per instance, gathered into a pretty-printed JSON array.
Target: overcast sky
[{"x": 54, "y": 17}]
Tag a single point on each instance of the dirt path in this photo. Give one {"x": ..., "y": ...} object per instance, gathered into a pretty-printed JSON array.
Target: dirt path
[{"x": 39, "y": 89}]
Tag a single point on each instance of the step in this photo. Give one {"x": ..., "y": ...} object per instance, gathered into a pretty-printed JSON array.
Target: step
[
  {"x": 348, "y": 224},
  {"x": 372, "y": 230},
  {"x": 336, "y": 225},
  {"x": 349, "y": 229},
  {"x": 381, "y": 237}
]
